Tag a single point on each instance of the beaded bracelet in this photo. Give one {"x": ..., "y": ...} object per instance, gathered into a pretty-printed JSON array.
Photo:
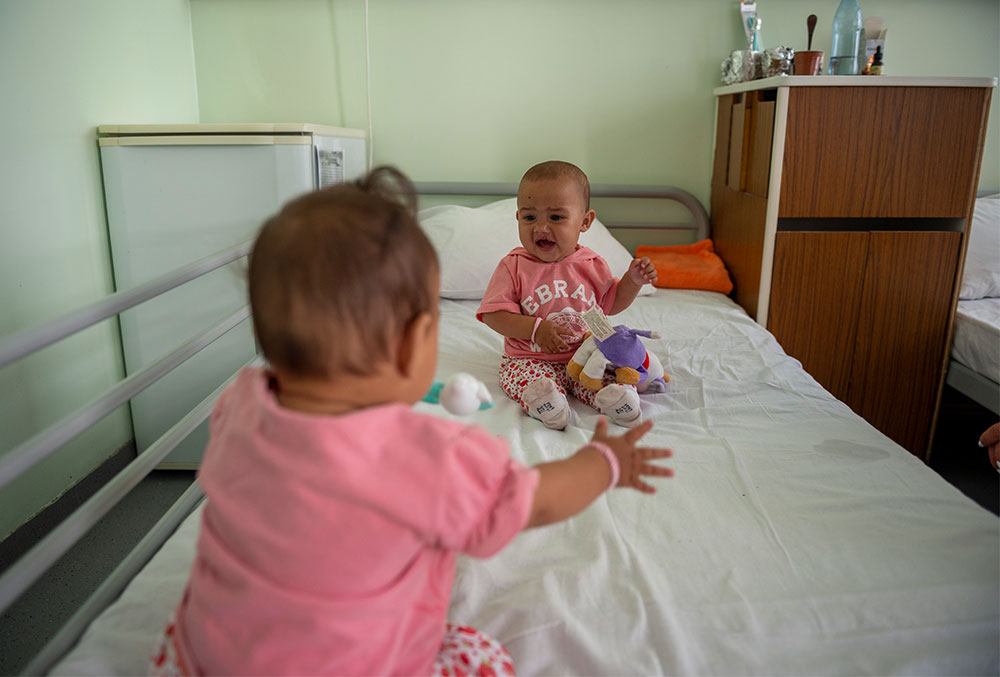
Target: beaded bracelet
[
  {"x": 534, "y": 329},
  {"x": 612, "y": 461}
]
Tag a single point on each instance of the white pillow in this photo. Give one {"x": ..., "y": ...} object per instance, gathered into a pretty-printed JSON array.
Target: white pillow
[
  {"x": 981, "y": 278},
  {"x": 471, "y": 241}
]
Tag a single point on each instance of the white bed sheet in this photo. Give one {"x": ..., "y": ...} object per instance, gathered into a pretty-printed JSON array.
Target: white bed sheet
[
  {"x": 794, "y": 539},
  {"x": 976, "y": 342}
]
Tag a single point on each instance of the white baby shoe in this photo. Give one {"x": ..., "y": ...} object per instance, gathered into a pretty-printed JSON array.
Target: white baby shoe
[
  {"x": 620, "y": 404},
  {"x": 546, "y": 403}
]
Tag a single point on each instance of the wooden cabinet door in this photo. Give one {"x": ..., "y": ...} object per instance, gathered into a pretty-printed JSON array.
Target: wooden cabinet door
[
  {"x": 743, "y": 135},
  {"x": 720, "y": 166},
  {"x": 816, "y": 291},
  {"x": 738, "y": 233},
  {"x": 738, "y": 141},
  {"x": 761, "y": 132},
  {"x": 899, "y": 357},
  {"x": 882, "y": 152}
]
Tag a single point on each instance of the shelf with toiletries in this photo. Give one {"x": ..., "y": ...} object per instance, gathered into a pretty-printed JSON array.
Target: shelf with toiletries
[
  {"x": 853, "y": 81},
  {"x": 857, "y": 48},
  {"x": 840, "y": 205}
]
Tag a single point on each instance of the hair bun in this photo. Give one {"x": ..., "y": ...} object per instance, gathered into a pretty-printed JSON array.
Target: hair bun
[{"x": 387, "y": 182}]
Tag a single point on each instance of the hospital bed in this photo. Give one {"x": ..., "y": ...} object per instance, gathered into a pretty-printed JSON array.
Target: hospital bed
[
  {"x": 974, "y": 368},
  {"x": 794, "y": 539}
]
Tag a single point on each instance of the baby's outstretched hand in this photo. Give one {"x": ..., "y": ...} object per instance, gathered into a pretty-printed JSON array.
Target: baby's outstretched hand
[
  {"x": 551, "y": 337},
  {"x": 642, "y": 271},
  {"x": 991, "y": 440},
  {"x": 633, "y": 460}
]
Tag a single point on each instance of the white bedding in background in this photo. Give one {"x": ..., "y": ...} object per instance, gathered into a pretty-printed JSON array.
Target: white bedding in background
[
  {"x": 795, "y": 538},
  {"x": 981, "y": 274},
  {"x": 976, "y": 342},
  {"x": 471, "y": 241}
]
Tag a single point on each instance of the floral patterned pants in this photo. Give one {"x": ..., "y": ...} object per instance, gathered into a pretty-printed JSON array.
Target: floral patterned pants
[
  {"x": 517, "y": 372},
  {"x": 464, "y": 652}
]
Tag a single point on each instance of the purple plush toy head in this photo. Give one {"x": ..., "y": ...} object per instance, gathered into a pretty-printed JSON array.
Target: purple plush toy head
[{"x": 624, "y": 349}]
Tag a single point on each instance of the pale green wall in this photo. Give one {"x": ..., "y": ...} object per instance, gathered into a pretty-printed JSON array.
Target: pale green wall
[
  {"x": 67, "y": 67},
  {"x": 480, "y": 90}
]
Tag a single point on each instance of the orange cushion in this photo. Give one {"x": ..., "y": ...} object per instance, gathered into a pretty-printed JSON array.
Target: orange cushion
[{"x": 688, "y": 266}]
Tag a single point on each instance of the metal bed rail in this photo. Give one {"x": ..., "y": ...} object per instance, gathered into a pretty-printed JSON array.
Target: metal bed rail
[
  {"x": 32, "y": 451},
  {"x": 26, "y": 570},
  {"x": 113, "y": 585},
  {"x": 598, "y": 190},
  {"x": 974, "y": 385},
  {"x": 18, "y": 345}
]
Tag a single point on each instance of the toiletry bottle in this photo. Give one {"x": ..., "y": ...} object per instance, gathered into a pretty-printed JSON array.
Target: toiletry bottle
[
  {"x": 876, "y": 67},
  {"x": 862, "y": 52},
  {"x": 847, "y": 26}
]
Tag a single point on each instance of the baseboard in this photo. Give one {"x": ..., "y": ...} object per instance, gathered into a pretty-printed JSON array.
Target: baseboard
[{"x": 28, "y": 534}]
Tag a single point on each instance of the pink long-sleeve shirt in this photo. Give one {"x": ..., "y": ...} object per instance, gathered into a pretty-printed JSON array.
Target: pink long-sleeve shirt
[
  {"x": 557, "y": 291},
  {"x": 328, "y": 543}
]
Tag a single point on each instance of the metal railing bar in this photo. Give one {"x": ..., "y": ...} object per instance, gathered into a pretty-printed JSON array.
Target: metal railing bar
[
  {"x": 41, "y": 446},
  {"x": 115, "y": 583},
  {"x": 464, "y": 188},
  {"x": 18, "y": 345},
  {"x": 666, "y": 192},
  {"x": 643, "y": 225},
  {"x": 26, "y": 570},
  {"x": 596, "y": 190},
  {"x": 510, "y": 189}
]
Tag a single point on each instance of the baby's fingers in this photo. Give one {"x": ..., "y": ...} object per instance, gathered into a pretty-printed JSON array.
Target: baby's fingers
[
  {"x": 991, "y": 436},
  {"x": 649, "y": 453},
  {"x": 655, "y": 470},
  {"x": 648, "y": 470},
  {"x": 643, "y": 487},
  {"x": 636, "y": 433}
]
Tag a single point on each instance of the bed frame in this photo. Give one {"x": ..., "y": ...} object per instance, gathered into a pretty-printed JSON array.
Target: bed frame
[
  {"x": 977, "y": 387},
  {"x": 15, "y": 580},
  {"x": 981, "y": 389},
  {"x": 700, "y": 226}
]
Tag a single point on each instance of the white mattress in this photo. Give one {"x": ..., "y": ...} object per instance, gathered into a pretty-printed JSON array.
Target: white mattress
[
  {"x": 976, "y": 342},
  {"x": 795, "y": 538}
]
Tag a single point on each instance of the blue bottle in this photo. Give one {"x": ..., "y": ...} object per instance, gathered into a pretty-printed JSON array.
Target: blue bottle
[{"x": 847, "y": 27}]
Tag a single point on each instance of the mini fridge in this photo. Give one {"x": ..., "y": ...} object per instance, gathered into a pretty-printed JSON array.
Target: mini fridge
[{"x": 177, "y": 193}]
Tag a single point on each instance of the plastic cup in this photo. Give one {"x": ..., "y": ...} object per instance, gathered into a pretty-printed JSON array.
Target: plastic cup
[{"x": 808, "y": 62}]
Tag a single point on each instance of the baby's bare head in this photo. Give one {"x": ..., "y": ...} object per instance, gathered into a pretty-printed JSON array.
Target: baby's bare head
[
  {"x": 557, "y": 170},
  {"x": 337, "y": 274}
]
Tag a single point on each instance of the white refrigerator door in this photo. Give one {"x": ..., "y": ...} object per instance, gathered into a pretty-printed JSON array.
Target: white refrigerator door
[
  {"x": 170, "y": 205},
  {"x": 339, "y": 159}
]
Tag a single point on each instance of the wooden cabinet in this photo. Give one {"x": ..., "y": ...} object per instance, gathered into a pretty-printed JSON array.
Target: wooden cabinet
[{"x": 840, "y": 206}]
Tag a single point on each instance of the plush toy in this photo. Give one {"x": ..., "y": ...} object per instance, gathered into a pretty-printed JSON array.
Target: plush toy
[
  {"x": 626, "y": 354},
  {"x": 460, "y": 395}
]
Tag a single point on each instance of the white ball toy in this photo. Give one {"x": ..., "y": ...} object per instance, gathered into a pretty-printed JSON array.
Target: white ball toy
[{"x": 463, "y": 394}]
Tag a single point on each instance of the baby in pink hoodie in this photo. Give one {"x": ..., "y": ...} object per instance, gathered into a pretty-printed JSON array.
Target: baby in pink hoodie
[
  {"x": 335, "y": 512},
  {"x": 538, "y": 291}
]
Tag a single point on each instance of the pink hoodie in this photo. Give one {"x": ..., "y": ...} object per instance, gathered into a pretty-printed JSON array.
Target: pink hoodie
[
  {"x": 557, "y": 291},
  {"x": 328, "y": 543}
]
